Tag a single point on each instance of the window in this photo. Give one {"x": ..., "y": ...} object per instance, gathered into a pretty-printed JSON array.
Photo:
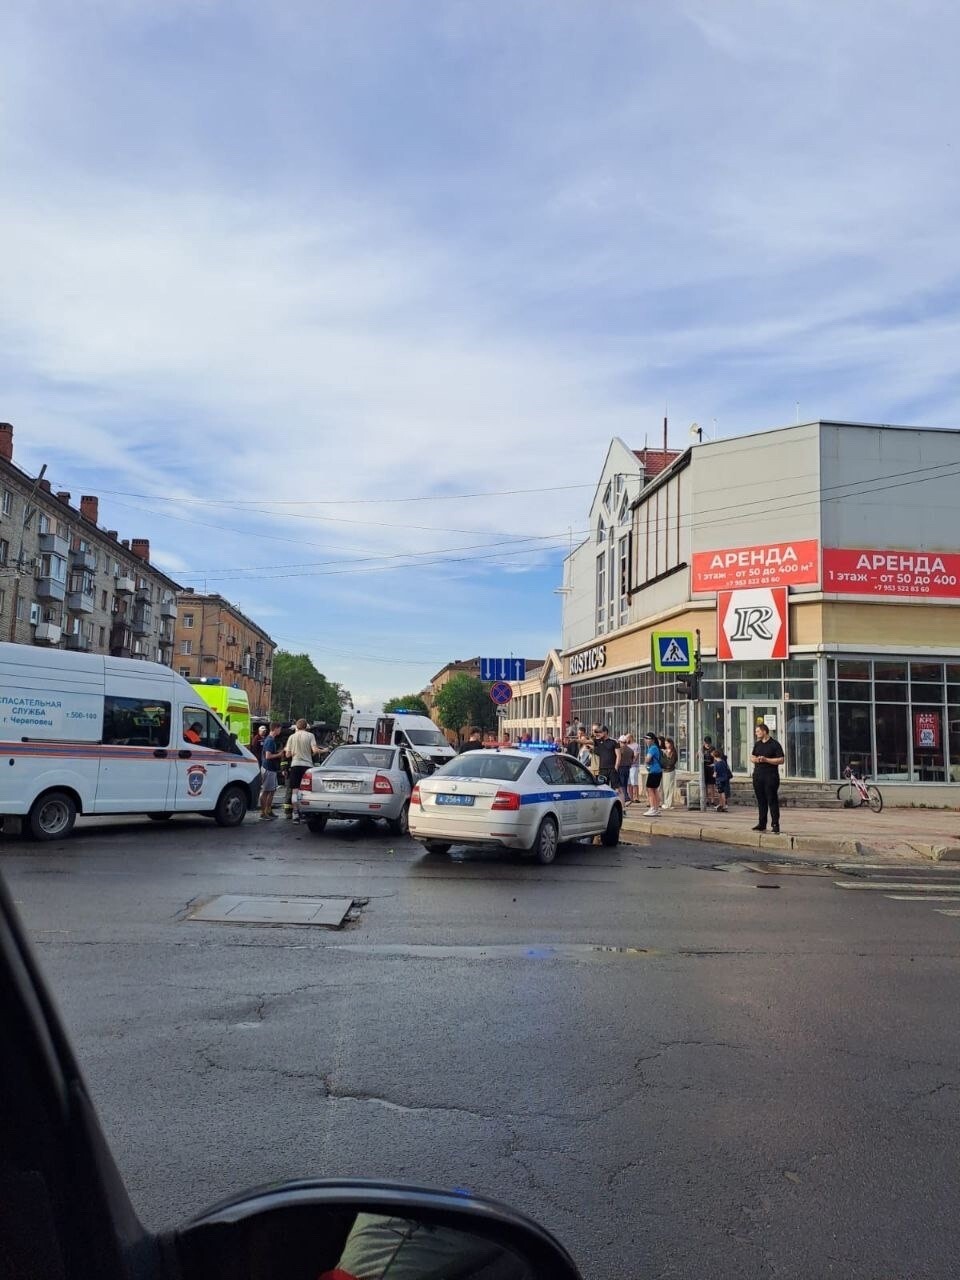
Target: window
[
  {"x": 7, "y": 502},
  {"x": 3, "y": 599},
  {"x": 136, "y": 722},
  {"x": 482, "y": 764},
  {"x": 185, "y": 672},
  {"x": 4, "y": 551},
  {"x": 186, "y": 647},
  {"x": 607, "y": 495},
  {"x": 575, "y": 773},
  {"x": 43, "y": 524},
  {"x": 63, "y": 531},
  {"x": 202, "y": 729},
  {"x": 21, "y": 609},
  {"x": 551, "y": 771},
  {"x": 656, "y": 532},
  {"x": 34, "y": 614},
  {"x": 623, "y": 576},
  {"x": 601, "y": 591},
  {"x": 103, "y": 601},
  {"x": 54, "y": 567},
  {"x": 188, "y": 619},
  {"x": 102, "y": 637}
]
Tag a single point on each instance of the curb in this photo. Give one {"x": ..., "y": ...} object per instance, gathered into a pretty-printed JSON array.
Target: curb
[{"x": 767, "y": 841}]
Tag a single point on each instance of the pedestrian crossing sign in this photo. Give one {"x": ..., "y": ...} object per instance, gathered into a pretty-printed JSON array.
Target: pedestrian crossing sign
[{"x": 673, "y": 651}]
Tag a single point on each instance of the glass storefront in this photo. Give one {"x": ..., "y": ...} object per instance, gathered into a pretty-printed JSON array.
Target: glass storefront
[{"x": 894, "y": 718}]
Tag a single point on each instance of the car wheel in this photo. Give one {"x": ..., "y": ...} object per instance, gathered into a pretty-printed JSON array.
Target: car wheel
[
  {"x": 316, "y": 825},
  {"x": 611, "y": 836},
  {"x": 436, "y": 846},
  {"x": 545, "y": 845},
  {"x": 159, "y": 817},
  {"x": 231, "y": 808},
  {"x": 52, "y": 816},
  {"x": 401, "y": 825}
]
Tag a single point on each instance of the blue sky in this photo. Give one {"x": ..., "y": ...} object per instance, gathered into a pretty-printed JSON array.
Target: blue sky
[{"x": 267, "y": 269}]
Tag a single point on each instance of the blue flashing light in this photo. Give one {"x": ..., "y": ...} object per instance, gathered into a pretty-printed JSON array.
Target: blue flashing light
[{"x": 537, "y": 746}]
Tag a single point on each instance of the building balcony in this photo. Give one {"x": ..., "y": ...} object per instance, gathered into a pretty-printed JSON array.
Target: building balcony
[
  {"x": 50, "y": 544},
  {"x": 50, "y": 589},
  {"x": 85, "y": 561},
  {"x": 142, "y": 621},
  {"x": 81, "y": 601},
  {"x": 124, "y": 586},
  {"x": 144, "y": 593},
  {"x": 78, "y": 641},
  {"x": 168, "y": 609},
  {"x": 47, "y": 633}
]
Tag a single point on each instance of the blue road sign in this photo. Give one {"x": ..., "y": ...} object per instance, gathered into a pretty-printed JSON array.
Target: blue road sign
[
  {"x": 503, "y": 669},
  {"x": 673, "y": 651},
  {"x": 501, "y": 693}
]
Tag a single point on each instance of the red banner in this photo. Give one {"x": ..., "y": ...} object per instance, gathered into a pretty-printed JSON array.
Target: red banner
[
  {"x": 777, "y": 564},
  {"x": 869, "y": 572},
  {"x": 926, "y": 730}
]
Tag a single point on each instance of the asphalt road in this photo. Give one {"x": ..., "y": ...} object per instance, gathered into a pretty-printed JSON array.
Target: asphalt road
[{"x": 680, "y": 1071}]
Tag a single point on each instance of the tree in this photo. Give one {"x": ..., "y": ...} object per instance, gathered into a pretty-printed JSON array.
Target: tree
[
  {"x": 407, "y": 702},
  {"x": 464, "y": 701},
  {"x": 299, "y": 689}
]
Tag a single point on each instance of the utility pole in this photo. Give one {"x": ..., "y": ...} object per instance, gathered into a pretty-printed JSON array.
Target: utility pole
[
  {"x": 698, "y": 723},
  {"x": 28, "y": 514}
]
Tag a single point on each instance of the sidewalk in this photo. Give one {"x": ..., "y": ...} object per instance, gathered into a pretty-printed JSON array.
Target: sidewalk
[{"x": 894, "y": 834}]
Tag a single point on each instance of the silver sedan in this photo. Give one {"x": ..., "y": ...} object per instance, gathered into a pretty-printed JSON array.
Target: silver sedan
[{"x": 361, "y": 781}]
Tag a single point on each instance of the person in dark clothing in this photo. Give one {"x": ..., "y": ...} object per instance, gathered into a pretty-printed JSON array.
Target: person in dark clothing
[
  {"x": 606, "y": 751},
  {"x": 473, "y": 743},
  {"x": 709, "y": 779},
  {"x": 722, "y": 776},
  {"x": 767, "y": 758}
]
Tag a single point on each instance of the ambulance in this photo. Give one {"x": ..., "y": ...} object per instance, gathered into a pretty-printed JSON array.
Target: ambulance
[
  {"x": 398, "y": 728},
  {"x": 83, "y": 733},
  {"x": 231, "y": 705}
]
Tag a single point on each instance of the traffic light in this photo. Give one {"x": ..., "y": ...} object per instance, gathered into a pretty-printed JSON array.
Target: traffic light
[{"x": 688, "y": 686}]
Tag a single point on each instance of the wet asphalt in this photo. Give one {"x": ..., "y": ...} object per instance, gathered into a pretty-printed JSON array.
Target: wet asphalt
[{"x": 682, "y": 1071}]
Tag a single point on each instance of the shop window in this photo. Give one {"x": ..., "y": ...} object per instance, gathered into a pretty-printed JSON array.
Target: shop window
[
  {"x": 893, "y": 741},
  {"x": 929, "y": 759},
  {"x": 953, "y": 734},
  {"x": 800, "y": 739},
  {"x": 853, "y": 727},
  {"x": 890, "y": 681},
  {"x": 853, "y": 691},
  {"x": 926, "y": 681},
  {"x": 847, "y": 670},
  {"x": 953, "y": 678},
  {"x": 801, "y": 690},
  {"x": 767, "y": 690},
  {"x": 800, "y": 669}
]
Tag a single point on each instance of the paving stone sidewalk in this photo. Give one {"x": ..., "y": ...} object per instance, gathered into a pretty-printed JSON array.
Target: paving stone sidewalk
[{"x": 819, "y": 834}]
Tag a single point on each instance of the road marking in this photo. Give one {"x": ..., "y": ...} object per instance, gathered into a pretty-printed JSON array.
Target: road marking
[
  {"x": 884, "y": 886},
  {"x": 941, "y": 912},
  {"x": 920, "y": 897}
]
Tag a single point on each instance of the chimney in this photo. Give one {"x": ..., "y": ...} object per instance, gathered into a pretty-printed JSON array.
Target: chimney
[
  {"x": 45, "y": 486},
  {"x": 90, "y": 507},
  {"x": 141, "y": 547},
  {"x": 63, "y": 495},
  {"x": 112, "y": 533},
  {"x": 6, "y": 441},
  {"x": 125, "y": 542}
]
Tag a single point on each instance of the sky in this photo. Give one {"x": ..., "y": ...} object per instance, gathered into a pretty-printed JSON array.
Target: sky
[{"x": 340, "y": 304}]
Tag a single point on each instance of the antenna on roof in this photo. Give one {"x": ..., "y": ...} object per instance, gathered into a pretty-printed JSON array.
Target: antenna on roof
[{"x": 664, "y": 431}]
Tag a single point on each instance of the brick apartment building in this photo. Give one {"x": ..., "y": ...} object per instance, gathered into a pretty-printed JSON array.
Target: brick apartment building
[
  {"x": 68, "y": 584},
  {"x": 214, "y": 639}
]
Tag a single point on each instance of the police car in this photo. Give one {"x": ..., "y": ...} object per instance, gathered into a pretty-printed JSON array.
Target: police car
[{"x": 525, "y": 798}]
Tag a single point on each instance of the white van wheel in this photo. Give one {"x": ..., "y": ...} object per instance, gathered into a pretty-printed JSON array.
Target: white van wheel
[
  {"x": 231, "y": 807},
  {"x": 52, "y": 816}
]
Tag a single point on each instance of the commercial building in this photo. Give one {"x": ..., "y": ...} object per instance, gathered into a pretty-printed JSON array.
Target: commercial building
[
  {"x": 214, "y": 640},
  {"x": 820, "y": 566},
  {"x": 66, "y": 583},
  {"x": 460, "y": 666}
]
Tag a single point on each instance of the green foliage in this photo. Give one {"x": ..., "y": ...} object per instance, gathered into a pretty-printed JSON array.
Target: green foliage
[
  {"x": 409, "y": 702},
  {"x": 299, "y": 689},
  {"x": 465, "y": 701}
]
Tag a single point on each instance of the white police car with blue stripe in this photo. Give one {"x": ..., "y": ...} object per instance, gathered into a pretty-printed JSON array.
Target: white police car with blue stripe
[{"x": 525, "y": 798}]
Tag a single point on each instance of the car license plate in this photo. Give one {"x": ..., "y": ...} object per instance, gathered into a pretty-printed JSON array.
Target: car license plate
[
  {"x": 444, "y": 798},
  {"x": 341, "y": 786}
]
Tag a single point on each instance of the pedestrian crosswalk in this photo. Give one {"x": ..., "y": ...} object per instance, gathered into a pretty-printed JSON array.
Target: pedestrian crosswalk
[{"x": 934, "y": 885}]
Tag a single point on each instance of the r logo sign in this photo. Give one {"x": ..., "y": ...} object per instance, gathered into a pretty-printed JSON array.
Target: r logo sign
[{"x": 752, "y": 624}]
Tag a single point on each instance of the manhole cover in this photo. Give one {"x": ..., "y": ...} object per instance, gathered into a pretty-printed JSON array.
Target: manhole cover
[{"x": 242, "y": 908}]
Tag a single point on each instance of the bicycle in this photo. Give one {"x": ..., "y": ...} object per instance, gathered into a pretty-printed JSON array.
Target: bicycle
[{"x": 855, "y": 793}]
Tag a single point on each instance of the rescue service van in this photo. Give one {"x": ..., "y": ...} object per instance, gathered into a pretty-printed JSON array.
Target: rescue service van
[
  {"x": 83, "y": 733},
  {"x": 398, "y": 728}
]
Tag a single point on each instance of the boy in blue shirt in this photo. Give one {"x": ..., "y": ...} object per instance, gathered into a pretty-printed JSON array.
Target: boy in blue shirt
[{"x": 722, "y": 775}]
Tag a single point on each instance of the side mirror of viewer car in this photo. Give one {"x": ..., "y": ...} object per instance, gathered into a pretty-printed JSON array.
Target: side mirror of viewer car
[{"x": 365, "y": 1231}]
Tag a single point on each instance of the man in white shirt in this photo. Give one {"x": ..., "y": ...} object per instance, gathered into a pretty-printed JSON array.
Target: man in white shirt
[{"x": 301, "y": 750}]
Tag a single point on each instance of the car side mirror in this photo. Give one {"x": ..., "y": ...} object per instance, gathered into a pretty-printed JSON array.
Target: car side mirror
[{"x": 371, "y": 1230}]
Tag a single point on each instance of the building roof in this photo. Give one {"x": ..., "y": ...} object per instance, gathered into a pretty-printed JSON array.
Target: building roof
[
  {"x": 187, "y": 596},
  {"x": 654, "y": 461}
]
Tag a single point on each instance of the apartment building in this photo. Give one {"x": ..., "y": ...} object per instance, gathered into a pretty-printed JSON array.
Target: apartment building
[
  {"x": 214, "y": 639},
  {"x": 67, "y": 583}
]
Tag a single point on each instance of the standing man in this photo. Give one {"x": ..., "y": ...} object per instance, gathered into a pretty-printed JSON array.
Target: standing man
[
  {"x": 256, "y": 746},
  {"x": 473, "y": 743},
  {"x": 301, "y": 750},
  {"x": 767, "y": 758},
  {"x": 270, "y": 768},
  {"x": 709, "y": 778},
  {"x": 606, "y": 751}
]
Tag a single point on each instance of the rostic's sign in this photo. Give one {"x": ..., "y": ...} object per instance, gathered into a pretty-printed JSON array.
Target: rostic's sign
[
  {"x": 588, "y": 660},
  {"x": 869, "y": 572},
  {"x": 752, "y": 624},
  {"x": 776, "y": 564}
]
